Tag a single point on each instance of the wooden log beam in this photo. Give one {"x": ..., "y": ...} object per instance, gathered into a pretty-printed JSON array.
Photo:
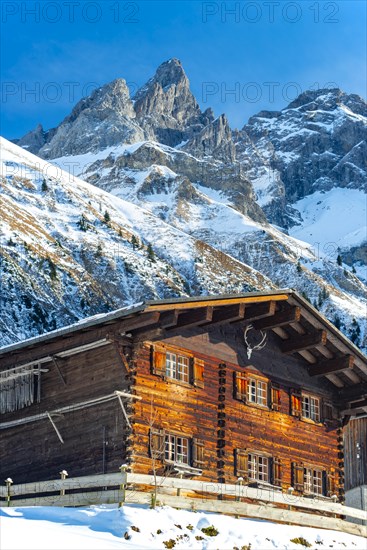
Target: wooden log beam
[
  {"x": 169, "y": 319},
  {"x": 353, "y": 392},
  {"x": 332, "y": 366},
  {"x": 279, "y": 319},
  {"x": 227, "y": 314},
  {"x": 355, "y": 408},
  {"x": 304, "y": 342},
  {"x": 258, "y": 311},
  {"x": 139, "y": 321},
  {"x": 194, "y": 318}
]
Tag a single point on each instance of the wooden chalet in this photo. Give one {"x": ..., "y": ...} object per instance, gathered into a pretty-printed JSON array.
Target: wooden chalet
[{"x": 258, "y": 387}]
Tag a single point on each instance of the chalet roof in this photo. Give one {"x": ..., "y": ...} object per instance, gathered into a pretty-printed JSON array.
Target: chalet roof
[{"x": 301, "y": 329}]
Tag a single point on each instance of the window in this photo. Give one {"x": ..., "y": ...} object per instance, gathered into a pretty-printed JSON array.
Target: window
[
  {"x": 311, "y": 407},
  {"x": 177, "y": 367},
  {"x": 258, "y": 467},
  {"x": 176, "y": 449},
  {"x": 257, "y": 392},
  {"x": 254, "y": 466},
  {"x": 312, "y": 481},
  {"x": 250, "y": 389},
  {"x": 171, "y": 364},
  {"x": 304, "y": 405}
]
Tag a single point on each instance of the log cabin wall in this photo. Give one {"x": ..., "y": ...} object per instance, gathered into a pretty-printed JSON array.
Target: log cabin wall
[
  {"x": 223, "y": 423},
  {"x": 94, "y": 437}
]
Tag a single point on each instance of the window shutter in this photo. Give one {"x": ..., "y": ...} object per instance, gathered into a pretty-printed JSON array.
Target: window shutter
[
  {"x": 297, "y": 476},
  {"x": 158, "y": 360},
  {"x": 198, "y": 452},
  {"x": 329, "y": 488},
  {"x": 275, "y": 398},
  {"x": 156, "y": 443},
  {"x": 276, "y": 472},
  {"x": 198, "y": 372},
  {"x": 239, "y": 386},
  {"x": 327, "y": 411},
  {"x": 241, "y": 464},
  {"x": 296, "y": 403}
]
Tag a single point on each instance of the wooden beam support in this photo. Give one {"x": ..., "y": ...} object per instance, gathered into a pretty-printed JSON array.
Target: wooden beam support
[
  {"x": 139, "y": 321},
  {"x": 279, "y": 319},
  {"x": 306, "y": 341},
  {"x": 259, "y": 311},
  {"x": 332, "y": 366},
  {"x": 227, "y": 314},
  {"x": 194, "y": 318},
  {"x": 353, "y": 392},
  {"x": 168, "y": 319},
  {"x": 355, "y": 408}
]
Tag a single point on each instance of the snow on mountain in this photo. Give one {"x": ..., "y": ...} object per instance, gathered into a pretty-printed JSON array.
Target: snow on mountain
[
  {"x": 69, "y": 250},
  {"x": 139, "y": 528}
]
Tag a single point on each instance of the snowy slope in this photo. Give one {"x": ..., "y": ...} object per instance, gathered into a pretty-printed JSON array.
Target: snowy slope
[
  {"x": 61, "y": 260},
  {"x": 138, "y": 528}
]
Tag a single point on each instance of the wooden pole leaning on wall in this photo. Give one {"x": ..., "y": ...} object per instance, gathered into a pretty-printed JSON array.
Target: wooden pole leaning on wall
[
  {"x": 9, "y": 483},
  {"x": 122, "y": 469},
  {"x": 63, "y": 475}
]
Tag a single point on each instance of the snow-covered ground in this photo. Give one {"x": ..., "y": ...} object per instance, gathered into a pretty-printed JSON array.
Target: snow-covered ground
[{"x": 138, "y": 528}]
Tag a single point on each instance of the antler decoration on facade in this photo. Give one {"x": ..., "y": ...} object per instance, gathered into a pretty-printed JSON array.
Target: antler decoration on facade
[{"x": 250, "y": 347}]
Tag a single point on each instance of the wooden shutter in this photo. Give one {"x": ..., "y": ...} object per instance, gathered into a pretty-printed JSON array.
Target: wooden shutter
[
  {"x": 156, "y": 443},
  {"x": 276, "y": 472},
  {"x": 326, "y": 412},
  {"x": 275, "y": 398},
  {"x": 241, "y": 464},
  {"x": 296, "y": 403},
  {"x": 239, "y": 386},
  {"x": 297, "y": 477},
  {"x": 198, "y": 452},
  {"x": 329, "y": 486},
  {"x": 158, "y": 360},
  {"x": 197, "y": 372}
]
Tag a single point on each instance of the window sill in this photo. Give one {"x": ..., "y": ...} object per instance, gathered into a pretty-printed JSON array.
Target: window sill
[
  {"x": 181, "y": 468},
  {"x": 264, "y": 485}
]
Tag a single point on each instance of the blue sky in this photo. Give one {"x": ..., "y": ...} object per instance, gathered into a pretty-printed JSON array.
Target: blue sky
[{"x": 241, "y": 57}]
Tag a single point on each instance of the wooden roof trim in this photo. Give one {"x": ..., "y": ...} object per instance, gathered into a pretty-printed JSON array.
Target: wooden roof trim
[
  {"x": 334, "y": 336},
  {"x": 216, "y": 302}
]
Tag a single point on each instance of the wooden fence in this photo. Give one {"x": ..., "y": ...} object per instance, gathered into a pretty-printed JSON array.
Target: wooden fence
[{"x": 239, "y": 500}]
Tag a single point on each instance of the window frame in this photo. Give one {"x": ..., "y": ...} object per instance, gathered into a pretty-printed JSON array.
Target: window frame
[
  {"x": 313, "y": 478},
  {"x": 174, "y": 367},
  {"x": 174, "y": 441},
  {"x": 167, "y": 362},
  {"x": 242, "y": 382},
  {"x": 261, "y": 394},
  {"x": 314, "y": 412},
  {"x": 256, "y": 458}
]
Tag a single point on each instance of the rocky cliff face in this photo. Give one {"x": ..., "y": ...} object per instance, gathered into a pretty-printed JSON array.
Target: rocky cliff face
[
  {"x": 316, "y": 144},
  {"x": 166, "y": 108}
]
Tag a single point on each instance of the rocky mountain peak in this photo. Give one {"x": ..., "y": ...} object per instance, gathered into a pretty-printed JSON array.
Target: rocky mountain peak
[
  {"x": 166, "y": 107},
  {"x": 328, "y": 99},
  {"x": 112, "y": 97}
]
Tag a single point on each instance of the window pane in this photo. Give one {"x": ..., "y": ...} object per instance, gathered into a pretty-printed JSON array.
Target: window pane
[
  {"x": 177, "y": 449},
  {"x": 258, "y": 467}
]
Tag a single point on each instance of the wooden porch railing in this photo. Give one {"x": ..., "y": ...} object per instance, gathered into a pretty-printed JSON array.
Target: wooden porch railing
[{"x": 188, "y": 494}]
